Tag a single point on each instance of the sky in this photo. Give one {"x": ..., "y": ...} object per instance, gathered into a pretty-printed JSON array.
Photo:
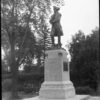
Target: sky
[{"x": 79, "y": 15}]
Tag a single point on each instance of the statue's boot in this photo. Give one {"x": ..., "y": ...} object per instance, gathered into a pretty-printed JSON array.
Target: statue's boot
[
  {"x": 59, "y": 42},
  {"x": 59, "y": 45}
]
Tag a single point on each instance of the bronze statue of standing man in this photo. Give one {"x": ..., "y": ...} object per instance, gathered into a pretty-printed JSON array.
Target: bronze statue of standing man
[{"x": 56, "y": 26}]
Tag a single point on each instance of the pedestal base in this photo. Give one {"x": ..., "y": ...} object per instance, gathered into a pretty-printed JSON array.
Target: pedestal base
[
  {"x": 56, "y": 90},
  {"x": 57, "y": 84},
  {"x": 77, "y": 97}
]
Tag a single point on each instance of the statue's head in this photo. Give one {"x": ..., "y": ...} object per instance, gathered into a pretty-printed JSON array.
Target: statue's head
[{"x": 56, "y": 8}]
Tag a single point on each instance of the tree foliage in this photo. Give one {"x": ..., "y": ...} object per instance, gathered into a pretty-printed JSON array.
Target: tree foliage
[
  {"x": 85, "y": 63},
  {"x": 21, "y": 22}
]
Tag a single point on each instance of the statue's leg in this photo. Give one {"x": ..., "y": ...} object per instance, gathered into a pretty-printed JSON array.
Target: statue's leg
[
  {"x": 52, "y": 37},
  {"x": 59, "y": 41}
]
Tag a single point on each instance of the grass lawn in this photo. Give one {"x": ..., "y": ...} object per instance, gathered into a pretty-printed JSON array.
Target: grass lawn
[
  {"x": 30, "y": 96},
  {"x": 7, "y": 95}
]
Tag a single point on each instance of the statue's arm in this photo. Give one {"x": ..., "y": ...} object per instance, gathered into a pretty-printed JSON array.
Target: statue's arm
[
  {"x": 57, "y": 18},
  {"x": 51, "y": 20}
]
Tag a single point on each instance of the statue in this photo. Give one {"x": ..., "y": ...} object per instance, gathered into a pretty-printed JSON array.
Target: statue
[{"x": 56, "y": 26}]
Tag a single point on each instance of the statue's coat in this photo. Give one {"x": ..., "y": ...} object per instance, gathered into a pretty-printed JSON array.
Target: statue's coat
[{"x": 56, "y": 26}]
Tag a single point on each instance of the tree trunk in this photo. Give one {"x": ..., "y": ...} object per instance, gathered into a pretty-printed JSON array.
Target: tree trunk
[
  {"x": 14, "y": 82},
  {"x": 98, "y": 86},
  {"x": 39, "y": 60},
  {"x": 98, "y": 78},
  {"x": 14, "y": 70}
]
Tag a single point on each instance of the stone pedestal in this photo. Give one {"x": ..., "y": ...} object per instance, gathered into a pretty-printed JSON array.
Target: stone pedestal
[{"x": 57, "y": 84}]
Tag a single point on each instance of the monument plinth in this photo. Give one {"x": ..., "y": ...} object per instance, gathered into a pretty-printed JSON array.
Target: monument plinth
[{"x": 57, "y": 84}]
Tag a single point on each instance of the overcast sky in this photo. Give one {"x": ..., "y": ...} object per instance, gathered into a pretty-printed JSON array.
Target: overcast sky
[{"x": 79, "y": 15}]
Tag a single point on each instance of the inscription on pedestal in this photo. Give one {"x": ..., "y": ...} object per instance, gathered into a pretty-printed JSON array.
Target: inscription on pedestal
[{"x": 65, "y": 66}]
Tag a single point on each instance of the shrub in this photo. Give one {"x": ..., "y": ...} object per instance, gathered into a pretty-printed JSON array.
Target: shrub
[
  {"x": 6, "y": 85},
  {"x": 28, "y": 88},
  {"x": 84, "y": 90}
]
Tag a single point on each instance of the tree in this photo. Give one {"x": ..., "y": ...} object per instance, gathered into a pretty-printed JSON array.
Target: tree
[
  {"x": 44, "y": 43},
  {"x": 84, "y": 64},
  {"x": 43, "y": 39},
  {"x": 19, "y": 25}
]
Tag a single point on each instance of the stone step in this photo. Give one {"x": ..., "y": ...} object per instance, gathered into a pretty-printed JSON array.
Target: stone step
[{"x": 77, "y": 97}]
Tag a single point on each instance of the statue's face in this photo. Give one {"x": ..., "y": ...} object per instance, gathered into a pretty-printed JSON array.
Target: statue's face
[{"x": 55, "y": 10}]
